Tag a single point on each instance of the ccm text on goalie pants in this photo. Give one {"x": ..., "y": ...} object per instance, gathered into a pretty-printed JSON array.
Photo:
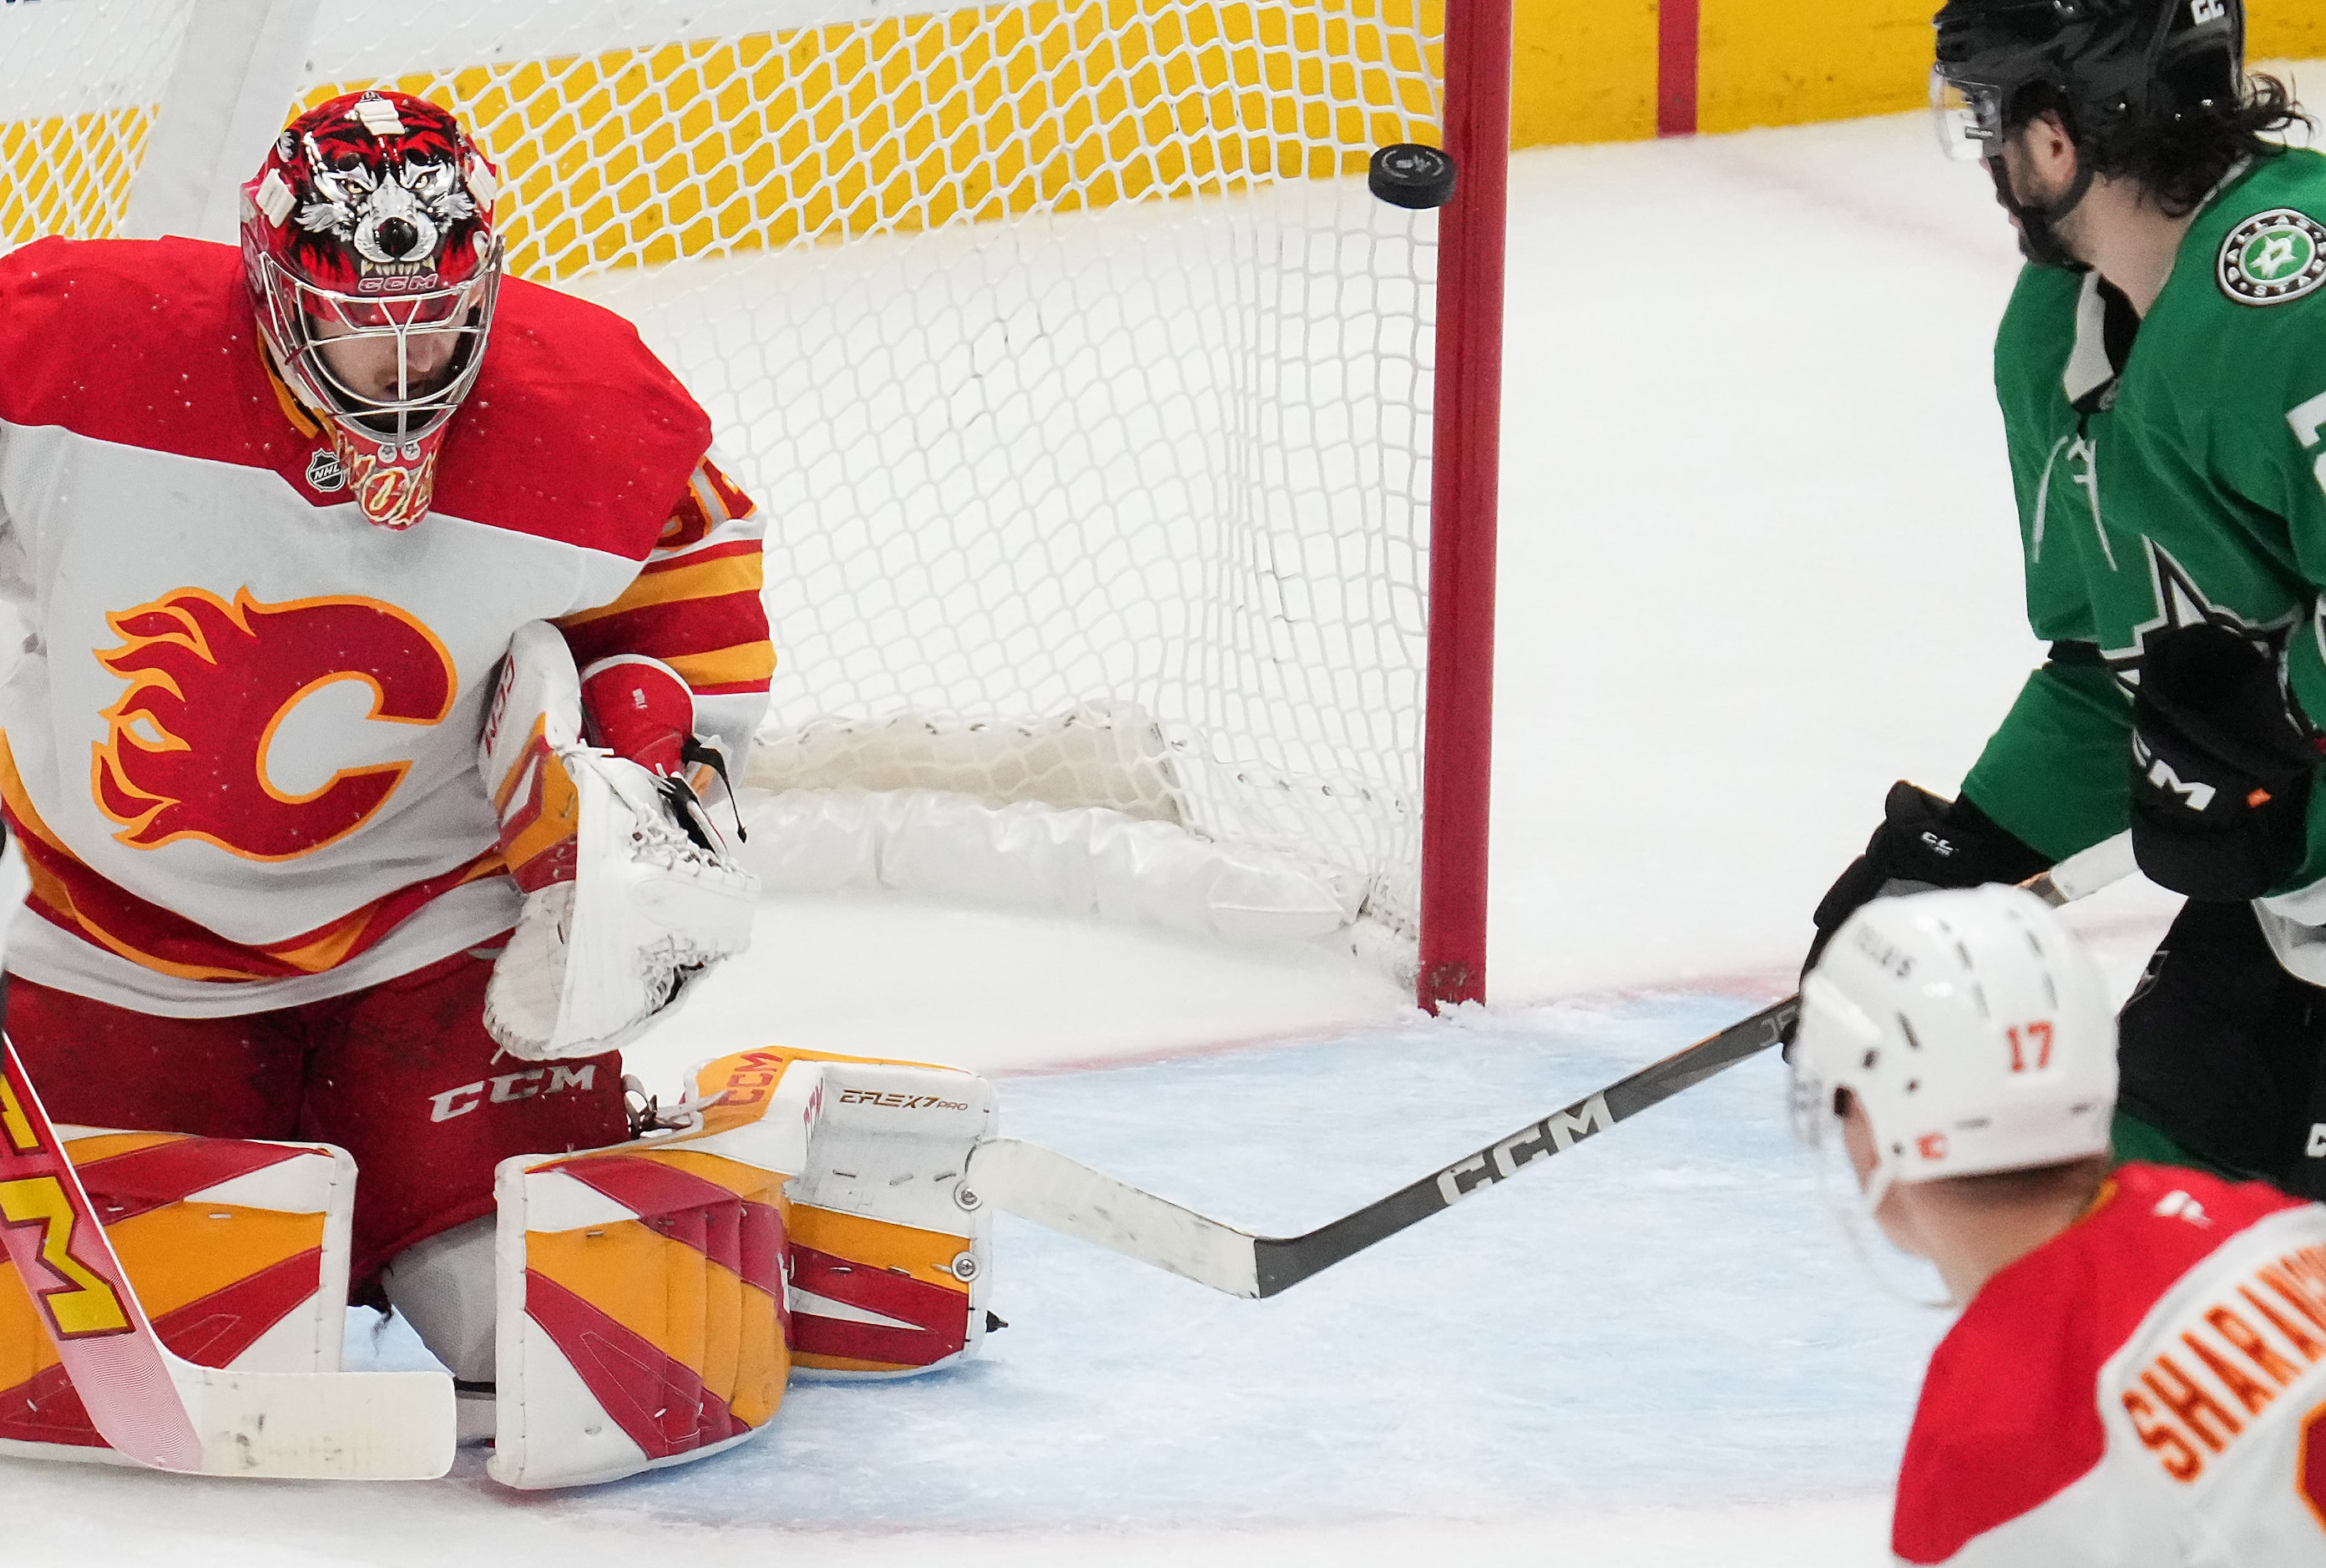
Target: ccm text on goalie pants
[{"x": 401, "y": 1075}]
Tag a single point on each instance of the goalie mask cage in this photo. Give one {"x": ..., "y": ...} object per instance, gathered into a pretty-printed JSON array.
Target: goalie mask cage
[{"x": 1118, "y": 448}]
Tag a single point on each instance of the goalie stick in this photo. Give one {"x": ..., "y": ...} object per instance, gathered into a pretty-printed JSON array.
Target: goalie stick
[
  {"x": 1044, "y": 1186},
  {"x": 166, "y": 1413}
]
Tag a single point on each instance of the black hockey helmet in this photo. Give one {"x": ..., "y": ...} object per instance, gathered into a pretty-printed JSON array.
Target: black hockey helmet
[{"x": 2107, "y": 65}]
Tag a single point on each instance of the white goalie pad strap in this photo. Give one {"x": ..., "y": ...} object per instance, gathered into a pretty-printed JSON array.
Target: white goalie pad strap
[
  {"x": 641, "y": 1319},
  {"x": 1090, "y": 860},
  {"x": 890, "y": 1257},
  {"x": 238, "y": 1251},
  {"x": 647, "y": 911}
]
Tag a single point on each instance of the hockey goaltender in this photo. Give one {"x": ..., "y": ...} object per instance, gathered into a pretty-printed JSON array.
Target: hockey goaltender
[{"x": 383, "y": 616}]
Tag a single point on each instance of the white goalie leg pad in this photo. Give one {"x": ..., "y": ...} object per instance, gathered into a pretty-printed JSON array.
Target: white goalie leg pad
[
  {"x": 642, "y": 1320},
  {"x": 890, "y": 1252},
  {"x": 629, "y": 894},
  {"x": 238, "y": 1251},
  {"x": 655, "y": 1298}
]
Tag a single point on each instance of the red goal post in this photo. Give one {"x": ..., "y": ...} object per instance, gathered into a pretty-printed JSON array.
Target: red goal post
[
  {"x": 1131, "y": 470},
  {"x": 1458, "y": 761}
]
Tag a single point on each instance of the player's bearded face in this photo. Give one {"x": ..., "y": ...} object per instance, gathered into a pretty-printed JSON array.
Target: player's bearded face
[{"x": 2036, "y": 172}]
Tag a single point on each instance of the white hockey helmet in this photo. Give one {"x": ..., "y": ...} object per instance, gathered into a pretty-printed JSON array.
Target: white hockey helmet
[{"x": 1972, "y": 1026}]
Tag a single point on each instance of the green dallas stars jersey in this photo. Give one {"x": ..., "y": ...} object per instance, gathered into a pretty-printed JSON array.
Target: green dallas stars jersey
[{"x": 2160, "y": 480}]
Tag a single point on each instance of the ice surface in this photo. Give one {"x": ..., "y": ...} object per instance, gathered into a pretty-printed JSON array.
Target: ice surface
[
  {"x": 1661, "y": 1314},
  {"x": 1758, "y": 561},
  {"x": 993, "y": 989},
  {"x": 1609, "y": 1330}
]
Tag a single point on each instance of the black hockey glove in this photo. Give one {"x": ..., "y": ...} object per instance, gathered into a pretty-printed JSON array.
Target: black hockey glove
[
  {"x": 2222, "y": 760},
  {"x": 1923, "y": 843}
]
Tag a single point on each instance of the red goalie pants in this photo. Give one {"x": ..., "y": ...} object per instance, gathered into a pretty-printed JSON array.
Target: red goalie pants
[{"x": 402, "y": 1076}]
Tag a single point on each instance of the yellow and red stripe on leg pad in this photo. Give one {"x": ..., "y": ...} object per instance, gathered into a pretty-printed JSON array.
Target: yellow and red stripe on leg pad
[
  {"x": 870, "y": 1296},
  {"x": 238, "y": 1250},
  {"x": 540, "y": 813},
  {"x": 887, "y": 1268},
  {"x": 654, "y": 1297},
  {"x": 651, "y": 1279}
]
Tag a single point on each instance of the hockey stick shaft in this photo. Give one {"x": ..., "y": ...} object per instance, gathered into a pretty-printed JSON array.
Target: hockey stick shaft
[
  {"x": 62, "y": 1255},
  {"x": 1051, "y": 1190},
  {"x": 161, "y": 1410},
  {"x": 1286, "y": 1260}
]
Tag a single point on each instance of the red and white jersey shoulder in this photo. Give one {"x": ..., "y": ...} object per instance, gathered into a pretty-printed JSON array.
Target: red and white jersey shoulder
[
  {"x": 2147, "y": 1388},
  {"x": 239, "y": 747}
]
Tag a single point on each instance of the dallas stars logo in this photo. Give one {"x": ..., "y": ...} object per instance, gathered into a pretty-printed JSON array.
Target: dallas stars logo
[
  {"x": 2181, "y": 602},
  {"x": 2274, "y": 257}
]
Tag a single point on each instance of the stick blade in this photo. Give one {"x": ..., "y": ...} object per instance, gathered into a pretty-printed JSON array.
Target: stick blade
[
  {"x": 1068, "y": 1196},
  {"x": 349, "y": 1426}
]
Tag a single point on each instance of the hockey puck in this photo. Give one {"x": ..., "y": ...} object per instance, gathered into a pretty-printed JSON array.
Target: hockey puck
[{"x": 1409, "y": 174}]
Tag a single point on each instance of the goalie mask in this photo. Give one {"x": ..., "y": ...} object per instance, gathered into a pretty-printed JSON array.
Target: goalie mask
[{"x": 367, "y": 243}]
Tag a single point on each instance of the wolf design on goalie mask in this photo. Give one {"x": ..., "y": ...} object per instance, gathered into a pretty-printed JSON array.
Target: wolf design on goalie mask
[{"x": 396, "y": 216}]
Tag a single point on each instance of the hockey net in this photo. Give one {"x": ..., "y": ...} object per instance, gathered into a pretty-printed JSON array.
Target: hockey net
[{"x": 1086, "y": 389}]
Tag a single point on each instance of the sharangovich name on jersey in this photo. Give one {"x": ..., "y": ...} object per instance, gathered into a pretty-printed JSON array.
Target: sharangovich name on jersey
[
  {"x": 2152, "y": 1379},
  {"x": 2170, "y": 469}
]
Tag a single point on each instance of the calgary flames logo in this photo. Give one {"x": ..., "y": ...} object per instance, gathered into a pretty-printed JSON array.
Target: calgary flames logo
[{"x": 186, "y": 754}]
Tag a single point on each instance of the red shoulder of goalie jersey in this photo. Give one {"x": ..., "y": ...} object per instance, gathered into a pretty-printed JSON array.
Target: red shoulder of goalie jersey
[
  {"x": 574, "y": 431},
  {"x": 2010, "y": 1414}
]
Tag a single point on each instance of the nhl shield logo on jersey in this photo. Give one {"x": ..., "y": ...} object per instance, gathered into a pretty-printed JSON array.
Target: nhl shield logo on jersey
[
  {"x": 189, "y": 746},
  {"x": 2272, "y": 257}
]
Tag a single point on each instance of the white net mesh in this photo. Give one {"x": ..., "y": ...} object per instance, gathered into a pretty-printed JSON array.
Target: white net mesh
[
  {"x": 79, "y": 84},
  {"x": 1073, "y": 365}
]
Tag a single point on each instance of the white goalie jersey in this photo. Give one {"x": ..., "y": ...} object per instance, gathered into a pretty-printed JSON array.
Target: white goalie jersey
[
  {"x": 2147, "y": 1389},
  {"x": 239, "y": 749}
]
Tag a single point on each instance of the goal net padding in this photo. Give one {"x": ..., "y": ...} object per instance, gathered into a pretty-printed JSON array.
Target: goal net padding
[{"x": 1086, "y": 390}]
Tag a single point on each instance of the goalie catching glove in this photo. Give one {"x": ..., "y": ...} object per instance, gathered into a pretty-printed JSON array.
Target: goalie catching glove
[{"x": 629, "y": 892}]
